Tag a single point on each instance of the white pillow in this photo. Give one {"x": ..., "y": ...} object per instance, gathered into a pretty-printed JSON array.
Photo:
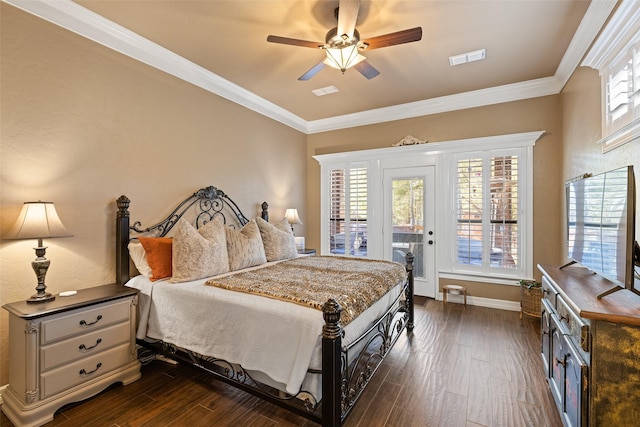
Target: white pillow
[
  {"x": 139, "y": 257},
  {"x": 278, "y": 240},
  {"x": 245, "y": 246},
  {"x": 198, "y": 253}
]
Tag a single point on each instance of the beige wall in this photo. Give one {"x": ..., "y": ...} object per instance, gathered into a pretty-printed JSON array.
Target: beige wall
[
  {"x": 515, "y": 117},
  {"x": 581, "y": 112},
  {"x": 82, "y": 124}
]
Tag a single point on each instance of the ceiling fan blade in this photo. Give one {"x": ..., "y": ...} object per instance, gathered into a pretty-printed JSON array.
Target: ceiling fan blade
[
  {"x": 391, "y": 39},
  {"x": 347, "y": 17},
  {"x": 313, "y": 71},
  {"x": 366, "y": 69},
  {"x": 294, "y": 42}
]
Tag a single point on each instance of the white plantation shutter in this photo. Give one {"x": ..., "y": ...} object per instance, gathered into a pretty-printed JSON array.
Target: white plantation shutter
[
  {"x": 487, "y": 213},
  {"x": 337, "y": 205},
  {"x": 619, "y": 88},
  {"x": 469, "y": 211},
  {"x": 504, "y": 211},
  {"x": 348, "y": 209},
  {"x": 615, "y": 55},
  {"x": 635, "y": 72}
]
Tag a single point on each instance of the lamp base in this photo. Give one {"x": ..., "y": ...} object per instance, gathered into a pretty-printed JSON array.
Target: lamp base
[
  {"x": 44, "y": 297},
  {"x": 40, "y": 266}
]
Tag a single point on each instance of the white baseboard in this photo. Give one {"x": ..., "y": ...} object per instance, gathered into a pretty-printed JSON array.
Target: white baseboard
[
  {"x": 500, "y": 304},
  {"x": 2, "y": 389}
]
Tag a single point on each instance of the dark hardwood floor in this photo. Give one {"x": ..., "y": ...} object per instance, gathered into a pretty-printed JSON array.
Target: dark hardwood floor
[{"x": 473, "y": 367}]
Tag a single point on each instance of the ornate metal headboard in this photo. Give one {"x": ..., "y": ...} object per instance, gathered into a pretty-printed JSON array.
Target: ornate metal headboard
[{"x": 208, "y": 203}]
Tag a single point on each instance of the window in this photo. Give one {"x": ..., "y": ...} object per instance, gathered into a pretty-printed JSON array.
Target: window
[
  {"x": 488, "y": 207},
  {"x": 348, "y": 211},
  {"x": 622, "y": 91},
  {"x": 616, "y": 55}
]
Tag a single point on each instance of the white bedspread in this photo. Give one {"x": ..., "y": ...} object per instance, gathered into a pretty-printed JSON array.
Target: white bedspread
[{"x": 278, "y": 338}]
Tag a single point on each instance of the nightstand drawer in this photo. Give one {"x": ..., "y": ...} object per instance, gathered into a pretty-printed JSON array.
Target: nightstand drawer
[
  {"x": 83, "y": 370},
  {"x": 83, "y": 345},
  {"x": 81, "y": 321}
]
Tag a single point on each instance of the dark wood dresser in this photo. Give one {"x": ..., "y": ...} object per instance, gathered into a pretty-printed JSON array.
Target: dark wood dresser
[{"x": 590, "y": 347}]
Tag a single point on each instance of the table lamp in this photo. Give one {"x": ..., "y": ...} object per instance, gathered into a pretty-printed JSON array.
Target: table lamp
[
  {"x": 292, "y": 217},
  {"x": 38, "y": 220}
]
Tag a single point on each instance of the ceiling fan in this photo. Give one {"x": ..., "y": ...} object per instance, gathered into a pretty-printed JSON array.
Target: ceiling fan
[{"x": 343, "y": 45}]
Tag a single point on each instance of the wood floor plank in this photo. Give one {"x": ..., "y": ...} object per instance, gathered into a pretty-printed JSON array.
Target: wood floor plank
[
  {"x": 378, "y": 414},
  {"x": 420, "y": 406},
  {"x": 454, "y": 410},
  {"x": 478, "y": 367},
  {"x": 457, "y": 367},
  {"x": 479, "y": 403}
]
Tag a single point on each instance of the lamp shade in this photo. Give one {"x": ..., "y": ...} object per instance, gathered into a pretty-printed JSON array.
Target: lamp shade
[
  {"x": 292, "y": 216},
  {"x": 343, "y": 57},
  {"x": 37, "y": 220}
]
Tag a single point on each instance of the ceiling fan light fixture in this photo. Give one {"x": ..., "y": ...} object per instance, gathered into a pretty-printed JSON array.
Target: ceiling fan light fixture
[{"x": 343, "y": 58}]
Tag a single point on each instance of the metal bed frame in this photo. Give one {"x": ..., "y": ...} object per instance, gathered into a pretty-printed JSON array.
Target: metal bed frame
[{"x": 344, "y": 375}]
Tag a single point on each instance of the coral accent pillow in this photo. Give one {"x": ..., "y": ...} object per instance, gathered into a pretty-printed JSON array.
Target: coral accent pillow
[
  {"x": 278, "y": 240},
  {"x": 158, "y": 250},
  {"x": 245, "y": 246},
  {"x": 199, "y": 253}
]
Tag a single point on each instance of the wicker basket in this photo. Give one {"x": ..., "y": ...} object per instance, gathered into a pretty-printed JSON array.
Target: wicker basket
[{"x": 530, "y": 297}]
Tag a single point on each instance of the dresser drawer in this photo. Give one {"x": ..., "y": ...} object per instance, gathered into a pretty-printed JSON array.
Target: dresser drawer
[
  {"x": 578, "y": 327},
  {"x": 74, "y": 348},
  {"x": 548, "y": 291},
  {"x": 83, "y": 370},
  {"x": 81, "y": 321}
]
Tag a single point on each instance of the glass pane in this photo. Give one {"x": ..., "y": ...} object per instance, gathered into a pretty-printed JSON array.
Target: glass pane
[
  {"x": 348, "y": 212},
  {"x": 504, "y": 212},
  {"x": 408, "y": 221},
  {"x": 336, "y": 210},
  {"x": 469, "y": 211}
]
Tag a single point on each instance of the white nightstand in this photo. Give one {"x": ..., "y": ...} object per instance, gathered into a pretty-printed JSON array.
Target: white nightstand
[
  {"x": 306, "y": 251},
  {"x": 67, "y": 350}
]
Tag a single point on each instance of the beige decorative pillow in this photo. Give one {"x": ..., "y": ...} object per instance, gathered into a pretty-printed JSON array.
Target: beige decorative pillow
[
  {"x": 278, "y": 240},
  {"x": 139, "y": 257},
  {"x": 245, "y": 247},
  {"x": 199, "y": 253}
]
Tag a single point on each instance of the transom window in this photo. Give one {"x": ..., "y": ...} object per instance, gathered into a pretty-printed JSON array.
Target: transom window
[{"x": 616, "y": 55}]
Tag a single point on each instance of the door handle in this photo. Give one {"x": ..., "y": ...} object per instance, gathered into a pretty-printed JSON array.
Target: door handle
[{"x": 430, "y": 242}]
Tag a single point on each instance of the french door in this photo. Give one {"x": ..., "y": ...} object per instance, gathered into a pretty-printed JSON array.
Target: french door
[{"x": 409, "y": 220}]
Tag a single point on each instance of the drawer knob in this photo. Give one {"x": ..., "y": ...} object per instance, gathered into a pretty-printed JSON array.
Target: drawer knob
[
  {"x": 83, "y": 372},
  {"x": 84, "y": 322},
  {"x": 84, "y": 347}
]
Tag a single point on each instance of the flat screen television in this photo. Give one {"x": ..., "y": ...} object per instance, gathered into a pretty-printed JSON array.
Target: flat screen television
[{"x": 601, "y": 226}]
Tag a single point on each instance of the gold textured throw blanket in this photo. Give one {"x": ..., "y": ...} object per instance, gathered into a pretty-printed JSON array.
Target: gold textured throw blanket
[{"x": 355, "y": 283}]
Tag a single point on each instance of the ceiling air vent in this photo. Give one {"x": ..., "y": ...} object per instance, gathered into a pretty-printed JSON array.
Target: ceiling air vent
[
  {"x": 463, "y": 58},
  {"x": 325, "y": 91}
]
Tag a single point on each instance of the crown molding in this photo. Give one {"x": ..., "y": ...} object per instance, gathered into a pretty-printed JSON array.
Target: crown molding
[
  {"x": 589, "y": 28},
  {"x": 460, "y": 101},
  {"x": 75, "y": 18},
  {"x": 621, "y": 32},
  {"x": 494, "y": 142}
]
